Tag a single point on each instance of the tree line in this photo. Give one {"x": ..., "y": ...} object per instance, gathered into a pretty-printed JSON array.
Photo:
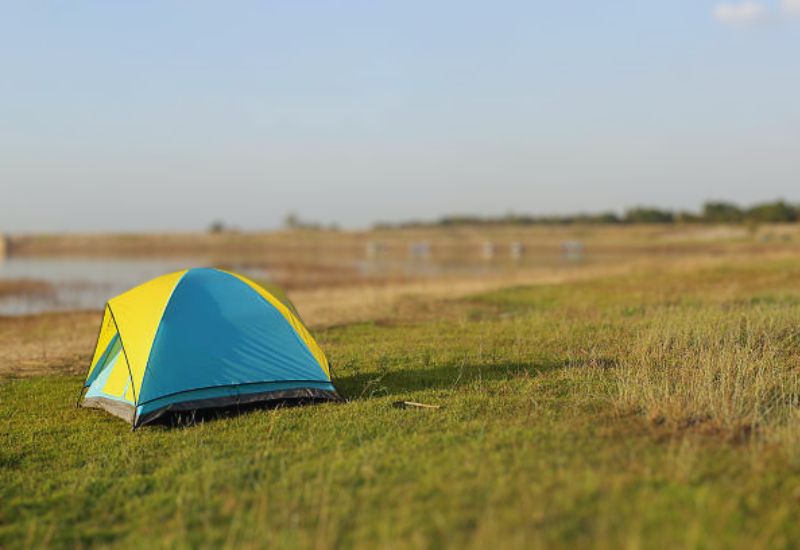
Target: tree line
[{"x": 712, "y": 212}]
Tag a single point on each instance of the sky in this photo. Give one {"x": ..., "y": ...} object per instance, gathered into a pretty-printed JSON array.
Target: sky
[{"x": 161, "y": 115}]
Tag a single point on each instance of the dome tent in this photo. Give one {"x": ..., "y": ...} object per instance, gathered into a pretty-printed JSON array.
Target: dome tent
[{"x": 201, "y": 338}]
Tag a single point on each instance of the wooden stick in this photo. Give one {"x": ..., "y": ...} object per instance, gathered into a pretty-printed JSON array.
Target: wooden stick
[{"x": 406, "y": 404}]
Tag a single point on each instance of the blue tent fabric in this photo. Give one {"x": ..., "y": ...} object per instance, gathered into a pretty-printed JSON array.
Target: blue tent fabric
[{"x": 216, "y": 331}]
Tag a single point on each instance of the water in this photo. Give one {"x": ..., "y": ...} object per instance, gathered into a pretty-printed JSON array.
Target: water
[
  {"x": 79, "y": 283},
  {"x": 88, "y": 283}
]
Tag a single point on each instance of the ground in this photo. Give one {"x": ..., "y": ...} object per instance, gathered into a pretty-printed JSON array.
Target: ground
[{"x": 654, "y": 407}]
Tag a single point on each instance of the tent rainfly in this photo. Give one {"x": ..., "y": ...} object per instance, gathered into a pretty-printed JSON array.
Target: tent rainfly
[{"x": 201, "y": 338}]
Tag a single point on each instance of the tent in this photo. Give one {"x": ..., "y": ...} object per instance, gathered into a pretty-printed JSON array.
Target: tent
[{"x": 201, "y": 338}]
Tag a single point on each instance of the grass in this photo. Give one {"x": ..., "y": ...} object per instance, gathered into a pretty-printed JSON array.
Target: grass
[{"x": 655, "y": 409}]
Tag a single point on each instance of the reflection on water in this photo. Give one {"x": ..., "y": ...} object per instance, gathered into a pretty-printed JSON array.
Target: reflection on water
[{"x": 79, "y": 283}]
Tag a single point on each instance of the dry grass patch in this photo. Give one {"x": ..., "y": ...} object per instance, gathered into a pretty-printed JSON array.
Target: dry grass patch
[
  {"x": 733, "y": 372},
  {"x": 51, "y": 343}
]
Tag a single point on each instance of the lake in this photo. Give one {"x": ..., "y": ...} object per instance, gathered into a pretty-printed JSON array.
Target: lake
[{"x": 76, "y": 283}]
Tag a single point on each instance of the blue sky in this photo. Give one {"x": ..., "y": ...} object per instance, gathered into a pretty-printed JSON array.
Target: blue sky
[{"x": 168, "y": 115}]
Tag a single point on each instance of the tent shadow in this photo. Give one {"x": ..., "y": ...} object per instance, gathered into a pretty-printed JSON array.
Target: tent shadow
[
  {"x": 368, "y": 385},
  {"x": 371, "y": 385},
  {"x": 183, "y": 419}
]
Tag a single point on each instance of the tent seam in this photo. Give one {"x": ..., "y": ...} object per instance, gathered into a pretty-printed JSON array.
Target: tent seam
[{"x": 158, "y": 330}]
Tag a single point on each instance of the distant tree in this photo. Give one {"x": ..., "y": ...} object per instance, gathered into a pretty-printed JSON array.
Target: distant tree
[
  {"x": 773, "y": 212},
  {"x": 649, "y": 215},
  {"x": 712, "y": 212},
  {"x": 292, "y": 221},
  {"x": 688, "y": 217},
  {"x": 458, "y": 219},
  {"x": 605, "y": 218},
  {"x": 722, "y": 212}
]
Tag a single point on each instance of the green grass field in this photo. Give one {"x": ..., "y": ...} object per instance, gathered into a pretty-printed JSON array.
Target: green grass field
[{"x": 655, "y": 410}]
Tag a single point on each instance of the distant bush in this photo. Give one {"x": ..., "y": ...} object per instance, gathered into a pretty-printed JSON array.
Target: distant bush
[
  {"x": 294, "y": 222},
  {"x": 217, "y": 227},
  {"x": 649, "y": 215}
]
